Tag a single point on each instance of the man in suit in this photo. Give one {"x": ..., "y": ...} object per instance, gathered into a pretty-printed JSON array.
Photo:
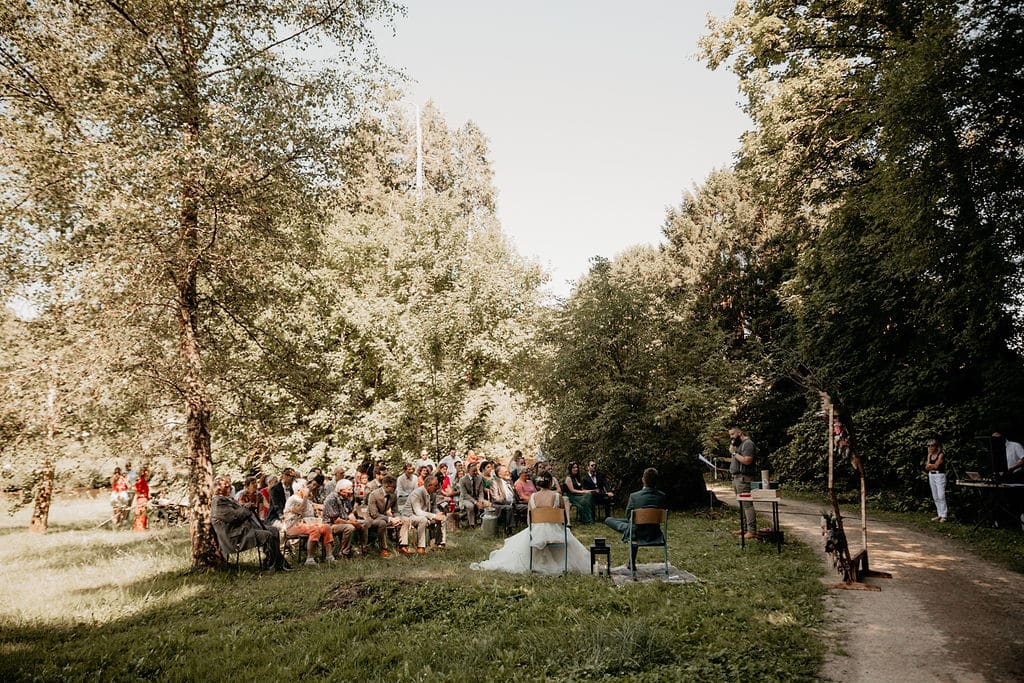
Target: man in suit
[
  {"x": 596, "y": 482},
  {"x": 647, "y": 497},
  {"x": 471, "y": 494},
  {"x": 279, "y": 495},
  {"x": 382, "y": 512},
  {"x": 237, "y": 528},
  {"x": 421, "y": 511}
]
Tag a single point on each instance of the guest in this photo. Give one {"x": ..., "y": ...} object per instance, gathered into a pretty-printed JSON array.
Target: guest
[
  {"x": 279, "y": 495},
  {"x": 317, "y": 492},
  {"x": 359, "y": 487},
  {"x": 471, "y": 494},
  {"x": 935, "y": 470},
  {"x": 424, "y": 460},
  {"x": 379, "y": 473},
  {"x": 301, "y": 519},
  {"x": 503, "y": 497},
  {"x": 266, "y": 483},
  {"x": 579, "y": 496},
  {"x": 596, "y": 481},
  {"x": 340, "y": 513},
  {"x": 647, "y": 497},
  {"x": 524, "y": 486},
  {"x": 250, "y": 498},
  {"x": 407, "y": 483},
  {"x": 237, "y": 529},
  {"x": 382, "y": 511},
  {"x": 422, "y": 473},
  {"x": 141, "y": 500},
  {"x": 423, "y": 512},
  {"x": 450, "y": 460},
  {"x": 119, "y": 498}
]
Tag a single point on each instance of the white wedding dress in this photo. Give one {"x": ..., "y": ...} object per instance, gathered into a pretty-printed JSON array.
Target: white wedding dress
[{"x": 514, "y": 556}]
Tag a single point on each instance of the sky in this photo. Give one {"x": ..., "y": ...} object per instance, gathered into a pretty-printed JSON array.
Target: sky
[{"x": 599, "y": 114}]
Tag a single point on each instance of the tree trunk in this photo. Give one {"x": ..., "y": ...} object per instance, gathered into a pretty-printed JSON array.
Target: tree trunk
[{"x": 44, "y": 493}]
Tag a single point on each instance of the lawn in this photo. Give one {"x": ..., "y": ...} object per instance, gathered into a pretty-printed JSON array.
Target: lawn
[{"x": 85, "y": 603}]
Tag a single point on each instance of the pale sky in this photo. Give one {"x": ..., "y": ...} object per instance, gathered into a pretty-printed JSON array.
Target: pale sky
[{"x": 598, "y": 113}]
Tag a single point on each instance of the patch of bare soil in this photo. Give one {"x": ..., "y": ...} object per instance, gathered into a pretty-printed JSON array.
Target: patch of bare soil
[{"x": 945, "y": 615}]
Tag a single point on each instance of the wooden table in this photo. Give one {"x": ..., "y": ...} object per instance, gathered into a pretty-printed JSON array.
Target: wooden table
[{"x": 776, "y": 534}]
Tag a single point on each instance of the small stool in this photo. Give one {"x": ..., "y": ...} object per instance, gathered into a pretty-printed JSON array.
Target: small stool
[{"x": 599, "y": 547}]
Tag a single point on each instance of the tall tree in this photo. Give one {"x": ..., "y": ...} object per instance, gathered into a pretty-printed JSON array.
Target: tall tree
[{"x": 186, "y": 135}]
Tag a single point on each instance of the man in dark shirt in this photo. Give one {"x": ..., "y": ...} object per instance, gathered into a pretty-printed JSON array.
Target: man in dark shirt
[
  {"x": 743, "y": 469},
  {"x": 647, "y": 497},
  {"x": 279, "y": 495}
]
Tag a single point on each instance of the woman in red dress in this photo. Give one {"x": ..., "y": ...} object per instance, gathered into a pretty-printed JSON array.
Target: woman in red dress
[{"x": 141, "y": 499}]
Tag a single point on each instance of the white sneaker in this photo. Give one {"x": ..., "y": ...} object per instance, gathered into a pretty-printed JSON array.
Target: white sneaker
[
  {"x": 310, "y": 560},
  {"x": 332, "y": 558}
]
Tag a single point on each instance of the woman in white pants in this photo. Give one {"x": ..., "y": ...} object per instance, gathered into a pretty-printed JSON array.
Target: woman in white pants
[{"x": 935, "y": 466}]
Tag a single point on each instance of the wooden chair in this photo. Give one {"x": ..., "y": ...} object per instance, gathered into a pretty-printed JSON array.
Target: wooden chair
[
  {"x": 550, "y": 516},
  {"x": 648, "y": 517}
]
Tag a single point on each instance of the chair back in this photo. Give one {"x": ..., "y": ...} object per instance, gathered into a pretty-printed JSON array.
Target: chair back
[
  {"x": 649, "y": 515},
  {"x": 546, "y": 515}
]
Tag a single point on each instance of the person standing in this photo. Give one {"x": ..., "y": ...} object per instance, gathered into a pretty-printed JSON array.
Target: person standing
[
  {"x": 743, "y": 469},
  {"x": 141, "y": 500},
  {"x": 935, "y": 467}
]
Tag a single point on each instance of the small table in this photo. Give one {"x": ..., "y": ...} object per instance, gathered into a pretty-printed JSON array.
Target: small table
[
  {"x": 602, "y": 549},
  {"x": 775, "y": 533},
  {"x": 996, "y": 497}
]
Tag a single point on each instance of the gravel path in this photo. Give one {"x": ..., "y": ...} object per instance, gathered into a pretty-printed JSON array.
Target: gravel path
[{"x": 946, "y": 615}]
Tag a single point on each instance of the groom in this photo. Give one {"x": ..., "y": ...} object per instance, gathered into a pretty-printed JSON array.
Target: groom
[{"x": 647, "y": 497}]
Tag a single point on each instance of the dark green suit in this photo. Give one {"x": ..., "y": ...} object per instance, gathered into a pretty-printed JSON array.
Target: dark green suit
[{"x": 644, "y": 498}]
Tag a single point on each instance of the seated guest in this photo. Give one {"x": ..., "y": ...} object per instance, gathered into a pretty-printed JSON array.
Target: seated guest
[
  {"x": 317, "y": 493},
  {"x": 450, "y": 461},
  {"x": 266, "y": 483},
  {"x": 471, "y": 494},
  {"x": 279, "y": 495},
  {"x": 524, "y": 487},
  {"x": 647, "y": 497},
  {"x": 382, "y": 512},
  {"x": 340, "y": 513},
  {"x": 421, "y": 473},
  {"x": 503, "y": 497},
  {"x": 596, "y": 482},
  {"x": 423, "y": 512},
  {"x": 379, "y": 472},
  {"x": 250, "y": 498},
  {"x": 406, "y": 484},
  {"x": 581, "y": 497},
  {"x": 359, "y": 487},
  {"x": 301, "y": 519},
  {"x": 237, "y": 528}
]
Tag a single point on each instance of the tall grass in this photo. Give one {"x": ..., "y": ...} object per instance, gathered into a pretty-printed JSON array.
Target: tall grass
[{"x": 95, "y": 604}]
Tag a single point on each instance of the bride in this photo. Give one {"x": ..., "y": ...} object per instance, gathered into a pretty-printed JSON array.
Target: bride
[{"x": 514, "y": 556}]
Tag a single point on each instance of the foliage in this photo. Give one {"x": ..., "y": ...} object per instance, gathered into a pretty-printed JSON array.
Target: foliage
[
  {"x": 890, "y": 155},
  {"x": 635, "y": 381},
  {"x": 125, "y": 608}
]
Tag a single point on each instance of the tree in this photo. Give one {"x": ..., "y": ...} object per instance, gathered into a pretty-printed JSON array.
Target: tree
[
  {"x": 188, "y": 139},
  {"x": 635, "y": 380},
  {"x": 891, "y": 132}
]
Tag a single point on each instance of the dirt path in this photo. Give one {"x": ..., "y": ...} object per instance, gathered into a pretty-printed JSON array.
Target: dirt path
[{"x": 944, "y": 616}]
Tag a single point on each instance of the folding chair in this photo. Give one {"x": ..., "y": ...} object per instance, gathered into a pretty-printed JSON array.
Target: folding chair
[
  {"x": 652, "y": 519},
  {"x": 550, "y": 516},
  {"x": 224, "y": 542}
]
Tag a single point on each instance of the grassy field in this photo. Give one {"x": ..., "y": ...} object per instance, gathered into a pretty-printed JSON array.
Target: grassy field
[{"x": 85, "y": 603}]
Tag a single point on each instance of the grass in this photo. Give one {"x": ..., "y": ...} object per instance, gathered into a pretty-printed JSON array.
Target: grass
[{"x": 83, "y": 603}]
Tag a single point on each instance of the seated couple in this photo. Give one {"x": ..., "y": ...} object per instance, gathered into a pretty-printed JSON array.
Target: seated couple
[{"x": 514, "y": 555}]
